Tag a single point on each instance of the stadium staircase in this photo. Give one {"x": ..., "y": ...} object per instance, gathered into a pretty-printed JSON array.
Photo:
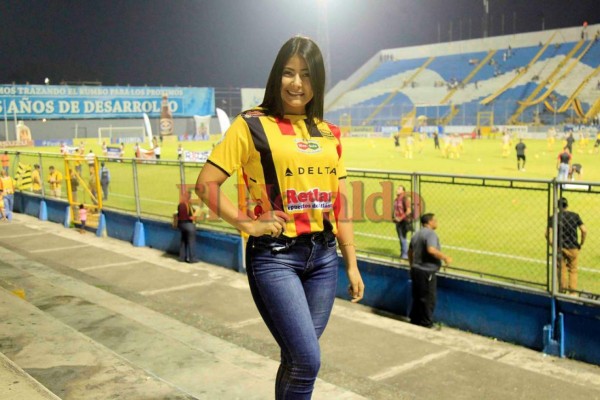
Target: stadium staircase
[
  {"x": 454, "y": 110},
  {"x": 514, "y": 119},
  {"x": 522, "y": 71},
  {"x": 555, "y": 83},
  {"x": 565, "y": 106},
  {"x": 594, "y": 110},
  {"x": 396, "y": 91}
]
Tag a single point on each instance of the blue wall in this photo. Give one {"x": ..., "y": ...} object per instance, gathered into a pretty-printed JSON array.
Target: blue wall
[{"x": 508, "y": 314}]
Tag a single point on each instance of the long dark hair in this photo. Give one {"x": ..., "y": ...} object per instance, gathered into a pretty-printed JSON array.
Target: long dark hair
[{"x": 310, "y": 52}]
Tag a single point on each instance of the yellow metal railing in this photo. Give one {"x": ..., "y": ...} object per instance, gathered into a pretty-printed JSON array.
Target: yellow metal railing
[{"x": 524, "y": 104}]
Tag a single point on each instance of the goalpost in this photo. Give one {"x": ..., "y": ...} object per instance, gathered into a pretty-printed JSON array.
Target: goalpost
[{"x": 118, "y": 132}]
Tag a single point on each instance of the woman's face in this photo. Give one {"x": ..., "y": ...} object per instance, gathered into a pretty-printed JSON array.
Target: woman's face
[{"x": 296, "y": 90}]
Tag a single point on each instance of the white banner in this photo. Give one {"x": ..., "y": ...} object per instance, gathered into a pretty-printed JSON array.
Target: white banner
[
  {"x": 251, "y": 97},
  {"x": 224, "y": 122},
  {"x": 196, "y": 156},
  {"x": 201, "y": 127}
]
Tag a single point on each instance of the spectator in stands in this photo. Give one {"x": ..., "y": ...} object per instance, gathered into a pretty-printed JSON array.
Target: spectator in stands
[
  {"x": 5, "y": 162},
  {"x": 403, "y": 219},
  {"x": 7, "y": 184},
  {"x": 568, "y": 245},
  {"x": 82, "y": 218},
  {"x": 36, "y": 179},
  {"x": 292, "y": 259},
  {"x": 425, "y": 258},
  {"x": 104, "y": 180},
  {"x": 2, "y": 213},
  {"x": 186, "y": 223},
  {"x": 74, "y": 186},
  {"x": 563, "y": 164},
  {"x": 520, "y": 148},
  {"x": 55, "y": 180},
  {"x": 91, "y": 159}
]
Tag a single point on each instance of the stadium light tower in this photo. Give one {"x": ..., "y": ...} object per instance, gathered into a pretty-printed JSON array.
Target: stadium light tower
[
  {"x": 486, "y": 17},
  {"x": 323, "y": 38}
]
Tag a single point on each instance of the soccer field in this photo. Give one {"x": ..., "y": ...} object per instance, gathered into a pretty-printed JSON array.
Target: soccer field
[{"x": 494, "y": 232}]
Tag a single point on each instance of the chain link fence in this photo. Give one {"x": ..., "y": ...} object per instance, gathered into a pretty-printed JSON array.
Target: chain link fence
[{"x": 494, "y": 228}]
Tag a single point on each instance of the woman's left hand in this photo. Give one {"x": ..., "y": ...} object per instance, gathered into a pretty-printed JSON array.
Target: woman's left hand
[{"x": 356, "y": 288}]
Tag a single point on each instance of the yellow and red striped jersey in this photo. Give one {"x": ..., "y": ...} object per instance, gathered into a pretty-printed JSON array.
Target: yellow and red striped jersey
[{"x": 288, "y": 165}]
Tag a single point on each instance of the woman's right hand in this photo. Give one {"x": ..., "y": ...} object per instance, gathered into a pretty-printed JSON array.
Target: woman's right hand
[{"x": 270, "y": 223}]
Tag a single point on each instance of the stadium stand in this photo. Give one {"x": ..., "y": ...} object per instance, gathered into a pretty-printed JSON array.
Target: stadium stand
[{"x": 539, "y": 78}]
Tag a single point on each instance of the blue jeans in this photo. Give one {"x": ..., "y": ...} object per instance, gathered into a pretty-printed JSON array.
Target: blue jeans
[
  {"x": 9, "y": 202},
  {"x": 293, "y": 283},
  {"x": 187, "y": 244},
  {"x": 563, "y": 172}
]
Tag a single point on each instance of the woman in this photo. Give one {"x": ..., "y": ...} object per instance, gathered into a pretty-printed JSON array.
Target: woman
[
  {"x": 402, "y": 219},
  {"x": 185, "y": 223},
  {"x": 292, "y": 166}
]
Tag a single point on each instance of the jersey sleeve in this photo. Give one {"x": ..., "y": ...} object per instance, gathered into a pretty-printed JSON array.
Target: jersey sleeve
[
  {"x": 233, "y": 151},
  {"x": 342, "y": 173}
]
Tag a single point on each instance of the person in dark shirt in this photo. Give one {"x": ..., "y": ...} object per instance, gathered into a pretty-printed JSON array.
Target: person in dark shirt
[
  {"x": 568, "y": 246},
  {"x": 425, "y": 258},
  {"x": 187, "y": 227},
  {"x": 570, "y": 141},
  {"x": 520, "y": 148}
]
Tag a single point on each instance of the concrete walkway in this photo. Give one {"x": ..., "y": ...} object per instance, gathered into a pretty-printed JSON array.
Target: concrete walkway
[{"x": 103, "y": 319}]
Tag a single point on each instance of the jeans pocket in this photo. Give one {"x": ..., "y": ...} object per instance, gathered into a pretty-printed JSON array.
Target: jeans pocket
[{"x": 331, "y": 242}]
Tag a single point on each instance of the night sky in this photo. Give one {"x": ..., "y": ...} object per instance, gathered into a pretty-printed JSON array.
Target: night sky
[{"x": 232, "y": 43}]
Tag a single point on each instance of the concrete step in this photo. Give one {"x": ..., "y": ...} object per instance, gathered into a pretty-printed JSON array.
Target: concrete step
[
  {"x": 19, "y": 385},
  {"x": 68, "y": 363},
  {"x": 114, "y": 292},
  {"x": 152, "y": 345}
]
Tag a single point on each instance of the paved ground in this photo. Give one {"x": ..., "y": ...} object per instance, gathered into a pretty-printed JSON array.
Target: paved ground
[{"x": 105, "y": 320}]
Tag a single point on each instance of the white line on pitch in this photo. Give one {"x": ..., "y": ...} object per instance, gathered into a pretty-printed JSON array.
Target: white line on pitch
[
  {"x": 393, "y": 371},
  {"x": 22, "y": 235},
  {"x": 246, "y": 322},
  {"x": 483, "y": 252},
  {"x": 109, "y": 265},
  {"x": 77, "y": 246},
  {"x": 174, "y": 288}
]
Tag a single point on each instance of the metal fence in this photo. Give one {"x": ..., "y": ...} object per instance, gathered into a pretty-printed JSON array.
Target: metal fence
[{"x": 494, "y": 228}]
